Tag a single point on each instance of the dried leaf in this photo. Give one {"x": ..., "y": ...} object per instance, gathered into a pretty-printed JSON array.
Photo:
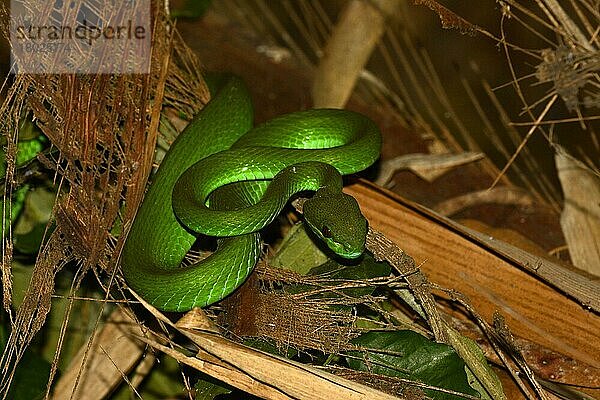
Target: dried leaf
[
  {"x": 426, "y": 166},
  {"x": 97, "y": 370},
  {"x": 449, "y": 19},
  {"x": 492, "y": 274},
  {"x": 580, "y": 218}
]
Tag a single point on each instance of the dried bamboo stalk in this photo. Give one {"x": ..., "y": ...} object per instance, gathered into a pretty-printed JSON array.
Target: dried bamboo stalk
[{"x": 355, "y": 36}]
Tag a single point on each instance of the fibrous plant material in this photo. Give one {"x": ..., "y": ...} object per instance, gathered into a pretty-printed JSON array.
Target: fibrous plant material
[
  {"x": 104, "y": 130},
  {"x": 256, "y": 372},
  {"x": 567, "y": 70},
  {"x": 320, "y": 306}
]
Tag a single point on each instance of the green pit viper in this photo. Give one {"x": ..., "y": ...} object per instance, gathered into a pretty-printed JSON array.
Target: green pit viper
[{"x": 221, "y": 177}]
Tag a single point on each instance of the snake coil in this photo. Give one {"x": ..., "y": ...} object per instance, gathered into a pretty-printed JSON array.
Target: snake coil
[{"x": 223, "y": 178}]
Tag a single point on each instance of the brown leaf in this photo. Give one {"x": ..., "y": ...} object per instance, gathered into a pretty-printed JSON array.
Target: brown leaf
[
  {"x": 494, "y": 275},
  {"x": 580, "y": 218},
  {"x": 449, "y": 19}
]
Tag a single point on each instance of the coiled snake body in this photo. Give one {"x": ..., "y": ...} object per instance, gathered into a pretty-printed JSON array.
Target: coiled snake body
[{"x": 223, "y": 178}]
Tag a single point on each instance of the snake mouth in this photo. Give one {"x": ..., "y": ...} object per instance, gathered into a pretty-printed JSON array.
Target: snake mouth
[
  {"x": 344, "y": 250},
  {"x": 351, "y": 252},
  {"x": 353, "y": 255}
]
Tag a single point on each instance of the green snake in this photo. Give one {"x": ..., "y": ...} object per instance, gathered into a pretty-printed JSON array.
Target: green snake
[{"x": 221, "y": 177}]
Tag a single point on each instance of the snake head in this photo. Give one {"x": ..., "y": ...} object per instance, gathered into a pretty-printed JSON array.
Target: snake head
[{"x": 336, "y": 220}]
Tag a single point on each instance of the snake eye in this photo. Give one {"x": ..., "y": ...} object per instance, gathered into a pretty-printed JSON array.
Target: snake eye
[{"x": 326, "y": 232}]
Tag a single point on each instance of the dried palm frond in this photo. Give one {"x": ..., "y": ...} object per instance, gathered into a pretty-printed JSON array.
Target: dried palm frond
[{"x": 103, "y": 128}]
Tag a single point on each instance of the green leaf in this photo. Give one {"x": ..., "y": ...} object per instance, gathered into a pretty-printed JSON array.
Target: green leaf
[
  {"x": 30, "y": 379},
  {"x": 298, "y": 252},
  {"x": 37, "y": 210},
  {"x": 164, "y": 381},
  {"x": 28, "y": 130},
  {"x": 30, "y": 242},
  {"x": 484, "y": 379},
  {"x": 16, "y": 206},
  {"x": 207, "y": 388},
  {"x": 268, "y": 347},
  {"x": 191, "y": 9},
  {"x": 409, "y": 355},
  {"x": 21, "y": 277},
  {"x": 31, "y": 374},
  {"x": 82, "y": 321}
]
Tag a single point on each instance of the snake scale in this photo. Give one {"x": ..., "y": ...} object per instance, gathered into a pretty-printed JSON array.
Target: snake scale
[{"x": 221, "y": 177}]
